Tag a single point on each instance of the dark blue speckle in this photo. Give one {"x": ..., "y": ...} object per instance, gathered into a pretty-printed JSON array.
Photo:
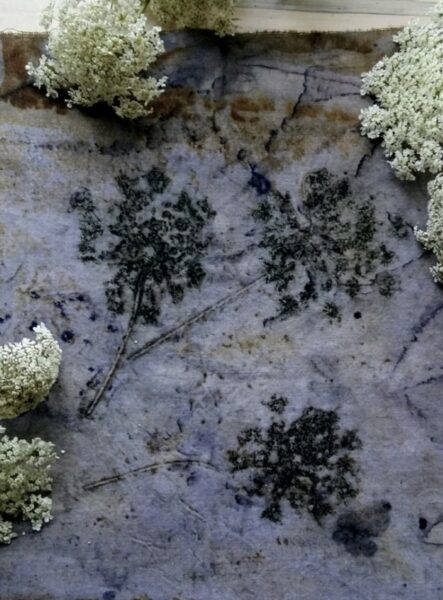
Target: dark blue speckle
[
  {"x": 112, "y": 328},
  {"x": 32, "y": 325},
  {"x": 260, "y": 183},
  {"x": 68, "y": 336},
  {"x": 59, "y": 304},
  {"x": 109, "y": 595},
  {"x": 243, "y": 500}
]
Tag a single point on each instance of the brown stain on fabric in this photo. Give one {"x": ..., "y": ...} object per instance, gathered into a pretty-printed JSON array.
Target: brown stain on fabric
[
  {"x": 317, "y": 127},
  {"x": 332, "y": 115},
  {"x": 358, "y": 51},
  {"x": 247, "y": 109},
  {"x": 16, "y": 88},
  {"x": 30, "y": 97},
  {"x": 273, "y": 346},
  {"x": 173, "y": 102},
  {"x": 298, "y": 43},
  {"x": 18, "y": 50}
]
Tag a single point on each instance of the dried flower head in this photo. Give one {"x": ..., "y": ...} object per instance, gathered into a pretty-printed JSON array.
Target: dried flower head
[
  {"x": 28, "y": 370},
  {"x": 25, "y": 483},
  {"x": 99, "y": 51},
  {"x": 408, "y": 89},
  {"x": 216, "y": 15},
  {"x": 432, "y": 238},
  {"x": 408, "y": 116}
]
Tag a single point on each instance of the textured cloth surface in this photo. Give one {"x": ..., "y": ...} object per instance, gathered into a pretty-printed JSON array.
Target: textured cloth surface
[{"x": 285, "y": 286}]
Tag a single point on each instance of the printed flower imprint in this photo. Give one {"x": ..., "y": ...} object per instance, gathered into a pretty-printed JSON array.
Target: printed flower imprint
[
  {"x": 155, "y": 248},
  {"x": 307, "y": 463},
  {"x": 328, "y": 245}
]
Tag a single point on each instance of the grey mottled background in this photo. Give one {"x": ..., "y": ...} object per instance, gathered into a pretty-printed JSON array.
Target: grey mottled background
[{"x": 243, "y": 118}]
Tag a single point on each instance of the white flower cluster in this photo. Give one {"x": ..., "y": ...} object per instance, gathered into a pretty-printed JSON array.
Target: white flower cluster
[
  {"x": 99, "y": 51},
  {"x": 408, "y": 88},
  {"x": 432, "y": 238},
  {"x": 408, "y": 116},
  {"x": 25, "y": 483},
  {"x": 216, "y": 15},
  {"x": 28, "y": 370}
]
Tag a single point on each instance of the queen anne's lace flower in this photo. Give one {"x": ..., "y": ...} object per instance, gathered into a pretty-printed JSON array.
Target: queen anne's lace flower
[
  {"x": 28, "y": 370},
  {"x": 408, "y": 116},
  {"x": 25, "y": 483},
  {"x": 216, "y": 15},
  {"x": 432, "y": 238},
  {"x": 99, "y": 51},
  {"x": 408, "y": 89}
]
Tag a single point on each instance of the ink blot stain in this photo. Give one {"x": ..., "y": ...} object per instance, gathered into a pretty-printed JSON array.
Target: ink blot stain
[
  {"x": 357, "y": 529},
  {"x": 61, "y": 307},
  {"x": 260, "y": 183},
  {"x": 68, "y": 336}
]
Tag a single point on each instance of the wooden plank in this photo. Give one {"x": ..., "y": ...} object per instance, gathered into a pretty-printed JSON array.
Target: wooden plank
[
  {"x": 294, "y": 15},
  {"x": 382, "y": 7},
  {"x": 249, "y": 20}
]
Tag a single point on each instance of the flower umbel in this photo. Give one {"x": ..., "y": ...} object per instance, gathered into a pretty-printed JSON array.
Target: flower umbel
[
  {"x": 432, "y": 238},
  {"x": 28, "y": 370},
  {"x": 216, "y": 15},
  {"x": 408, "y": 90},
  {"x": 25, "y": 483},
  {"x": 99, "y": 51},
  {"x": 408, "y": 116}
]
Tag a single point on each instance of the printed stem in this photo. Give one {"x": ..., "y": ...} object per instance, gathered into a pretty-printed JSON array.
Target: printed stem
[
  {"x": 139, "y": 291},
  {"x": 149, "y": 346},
  {"x": 90, "y": 487}
]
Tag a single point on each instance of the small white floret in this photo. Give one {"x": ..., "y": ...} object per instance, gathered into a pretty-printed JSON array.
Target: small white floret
[
  {"x": 25, "y": 483},
  {"x": 99, "y": 51},
  {"x": 28, "y": 370}
]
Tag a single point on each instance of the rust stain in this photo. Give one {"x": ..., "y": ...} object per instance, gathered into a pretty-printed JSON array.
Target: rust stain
[
  {"x": 30, "y": 97},
  {"x": 273, "y": 345},
  {"x": 317, "y": 127},
  {"x": 333, "y": 115},
  {"x": 360, "y": 50},
  {"x": 246, "y": 109},
  {"x": 18, "y": 50},
  {"x": 173, "y": 101},
  {"x": 313, "y": 42}
]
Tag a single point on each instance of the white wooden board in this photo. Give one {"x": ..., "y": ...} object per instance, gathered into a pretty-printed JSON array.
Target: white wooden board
[{"x": 275, "y": 15}]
